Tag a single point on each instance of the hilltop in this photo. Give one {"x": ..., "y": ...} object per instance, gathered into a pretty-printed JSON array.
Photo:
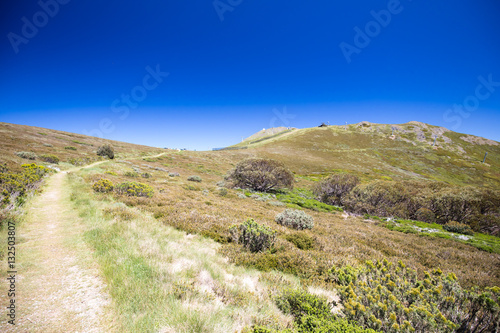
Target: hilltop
[{"x": 413, "y": 150}]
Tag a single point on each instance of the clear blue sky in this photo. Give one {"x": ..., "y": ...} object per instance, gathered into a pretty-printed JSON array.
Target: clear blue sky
[{"x": 237, "y": 66}]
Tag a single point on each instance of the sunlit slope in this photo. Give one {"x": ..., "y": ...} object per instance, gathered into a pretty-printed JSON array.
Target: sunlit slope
[
  {"x": 64, "y": 145},
  {"x": 379, "y": 150}
]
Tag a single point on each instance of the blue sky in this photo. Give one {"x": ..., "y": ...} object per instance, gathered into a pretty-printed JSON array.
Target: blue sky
[{"x": 203, "y": 74}]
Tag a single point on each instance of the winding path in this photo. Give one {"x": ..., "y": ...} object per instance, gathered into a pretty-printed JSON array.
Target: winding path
[{"x": 58, "y": 282}]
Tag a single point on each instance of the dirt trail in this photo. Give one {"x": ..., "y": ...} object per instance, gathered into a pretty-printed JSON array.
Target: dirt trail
[{"x": 59, "y": 287}]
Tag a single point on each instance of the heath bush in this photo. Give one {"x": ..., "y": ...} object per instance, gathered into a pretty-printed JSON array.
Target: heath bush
[
  {"x": 392, "y": 298},
  {"x": 106, "y": 150},
  {"x": 260, "y": 174},
  {"x": 135, "y": 189},
  {"x": 253, "y": 236},
  {"x": 425, "y": 215},
  {"x": 461, "y": 228},
  {"x": 70, "y": 148},
  {"x": 333, "y": 189},
  {"x": 194, "y": 179},
  {"x": 27, "y": 155},
  {"x": 301, "y": 240},
  {"x": 295, "y": 219},
  {"x": 50, "y": 158},
  {"x": 174, "y": 174},
  {"x": 103, "y": 186}
]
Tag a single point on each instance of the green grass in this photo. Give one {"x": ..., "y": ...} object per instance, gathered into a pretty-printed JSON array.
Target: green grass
[
  {"x": 302, "y": 198},
  {"x": 481, "y": 241}
]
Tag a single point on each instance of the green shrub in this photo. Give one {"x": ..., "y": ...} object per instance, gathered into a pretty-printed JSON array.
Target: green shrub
[
  {"x": 70, "y": 148},
  {"x": 253, "y": 236},
  {"x": 461, "y": 228},
  {"x": 21, "y": 182},
  {"x": 132, "y": 174},
  {"x": 106, "y": 150},
  {"x": 135, "y": 189},
  {"x": 222, "y": 192},
  {"x": 103, "y": 186},
  {"x": 343, "y": 275},
  {"x": 48, "y": 145},
  {"x": 194, "y": 179},
  {"x": 312, "y": 313},
  {"x": 301, "y": 240},
  {"x": 262, "y": 175},
  {"x": 27, "y": 155},
  {"x": 112, "y": 173},
  {"x": 174, "y": 174},
  {"x": 333, "y": 189},
  {"x": 50, "y": 158},
  {"x": 391, "y": 298},
  {"x": 425, "y": 215},
  {"x": 295, "y": 219},
  {"x": 146, "y": 175}
]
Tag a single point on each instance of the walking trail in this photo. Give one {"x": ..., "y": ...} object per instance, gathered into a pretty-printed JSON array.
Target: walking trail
[{"x": 59, "y": 288}]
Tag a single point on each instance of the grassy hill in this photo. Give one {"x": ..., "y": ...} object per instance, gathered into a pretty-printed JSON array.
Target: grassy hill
[
  {"x": 130, "y": 234},
  {"x": 377, "y": 151}
]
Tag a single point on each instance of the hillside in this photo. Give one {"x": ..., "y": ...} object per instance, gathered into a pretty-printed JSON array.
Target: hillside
[
  {"x": 375, "y": 151},
  {"x": 70, "y": 148},
  {"x": 151, "y": 229}
]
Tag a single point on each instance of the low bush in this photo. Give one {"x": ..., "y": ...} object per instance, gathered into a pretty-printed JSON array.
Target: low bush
[
  {"x": 103, "y": 186},
  {"x": 194, "y": 179},
  {"x": 112, "y": 173},
  {"x": 222, "y": 192},
  {"x": 131, "y": 174},
  {"x": 301, "y": 240},
  {"x": 391, "y": 298},
  {"x": 49, "y": 158},
  {"x": 312, "y": 313},
  {"x": 70, "y": 148},
  {"x": 425, "y": 215},
  {"x": 146, "y": 175},
  {"x": 174, "y": 174},
  {"x": 343, "y": 275},
  {"x": 460, "y": 228},
  {"x": 106, "y": 150},
  {"x": 333, "y": 189},
  {"x": 27, "y": 155},
  {"x": 260, "y": 174},
  {"x": 134, "y": 189},
  {"x": 17, "y": 184},
  {"x": 295, "y": 219},
  {"x": 255, "y": 237}
]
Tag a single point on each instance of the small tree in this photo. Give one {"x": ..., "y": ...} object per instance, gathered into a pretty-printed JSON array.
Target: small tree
[
  {"x": 255, "y": 237},
  {"x": 333, "y": 189},
  {"x": 261, "y": 174},
  {"x": 106, "y": 150}
]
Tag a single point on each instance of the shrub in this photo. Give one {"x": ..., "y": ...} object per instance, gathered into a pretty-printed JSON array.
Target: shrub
[
  {"x": 174, "y": 174},
  {"x": 132, "y": 174},
  {"x": 261, "y": 175},
  {"x": 27, "y": 155},
  {"x": 312, "y": 314},
  {"x": 194, "y": 179},
  {"x": 222, "y": 192},
  {"x": 456, "y": 204},
  {"x": 425, "y": 215},
  {"x": 48, "y": 145},
  {"x": 106, "y": 150},
  {"x": 70, "y": 148},
  {"x": 145, "y": 175},
  {"x": 333, "y": 189},
  {"x": 112, "y": 173},
  {"x": 103, "y": 186},
  {"x": 295, "y": 219},
  {"x": 461, "y": 228},
  {"x": 22, "y": 182},
  {"x": 135, "y": 189},
  {"x": 343, "y": 275},
  {"x": 50, "y": 158},
  {"x": 253, "y": 236},
  {"x": 391, "y": 298},
  {"x": 301, "y": 240}
]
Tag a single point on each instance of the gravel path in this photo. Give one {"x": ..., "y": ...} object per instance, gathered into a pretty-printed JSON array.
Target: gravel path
[{"x": 59, "y": 287}]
